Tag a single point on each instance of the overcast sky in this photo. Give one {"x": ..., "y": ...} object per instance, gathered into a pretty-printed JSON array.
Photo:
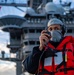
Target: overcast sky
[{"x": 8, "y": 68}]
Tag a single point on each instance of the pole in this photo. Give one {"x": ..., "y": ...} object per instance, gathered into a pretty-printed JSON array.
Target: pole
[
  {"x": 19, "y": 63},
  {"x": 18, "y": 68}
]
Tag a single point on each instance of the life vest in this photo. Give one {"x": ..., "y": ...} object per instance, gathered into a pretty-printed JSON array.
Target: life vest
[{"x": 59, "y": 60}]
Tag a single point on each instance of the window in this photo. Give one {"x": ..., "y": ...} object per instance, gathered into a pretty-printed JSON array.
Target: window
[
  {"x": 69, "y": 31},
  {"x": 39, "y": 20},
  {"x": 38, "y": 30},
  {"x": 32, "y": 30},
  {"x": 38, "y": 42},
  {"x": 15, "y": 36},
  {"x": 26, "y": 43},
  {"x": 25, "y": 31},
  {"x": 31, "y": 42},
  {"x": 35, "y": 21},
  {"x": 29, "y": 20},
  {"x": 32, "y": 20}
]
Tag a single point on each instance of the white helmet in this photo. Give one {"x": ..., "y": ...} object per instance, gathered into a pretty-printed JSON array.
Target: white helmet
[{"x": 57, "y": 21}]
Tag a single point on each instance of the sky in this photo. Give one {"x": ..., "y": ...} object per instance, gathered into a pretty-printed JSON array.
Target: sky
[{"x": 8, "y": 68}]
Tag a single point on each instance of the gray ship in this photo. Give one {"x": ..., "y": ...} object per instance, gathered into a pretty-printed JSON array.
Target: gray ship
[{"x": 25, "y": 31}]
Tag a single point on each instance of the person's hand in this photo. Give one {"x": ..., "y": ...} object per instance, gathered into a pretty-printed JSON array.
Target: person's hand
[{"x": 44, "y": 39}]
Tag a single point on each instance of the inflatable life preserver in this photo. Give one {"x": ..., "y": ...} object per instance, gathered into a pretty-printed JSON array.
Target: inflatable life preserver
[{"x": 60, "y": 61}]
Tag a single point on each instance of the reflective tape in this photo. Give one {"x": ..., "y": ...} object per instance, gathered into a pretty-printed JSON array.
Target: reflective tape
[
  {"x": 48, "y": 61},
  {"x": 58, "y": 59}
]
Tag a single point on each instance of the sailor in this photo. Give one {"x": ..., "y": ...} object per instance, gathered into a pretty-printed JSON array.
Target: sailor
[{"x": 55, "y": 54}]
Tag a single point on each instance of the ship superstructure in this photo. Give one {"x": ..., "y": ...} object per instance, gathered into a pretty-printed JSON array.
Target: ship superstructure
[{"x": 36, "y": 22}]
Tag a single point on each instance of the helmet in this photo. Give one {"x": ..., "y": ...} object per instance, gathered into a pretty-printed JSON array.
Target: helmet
[{"x": 57, "y": 21}]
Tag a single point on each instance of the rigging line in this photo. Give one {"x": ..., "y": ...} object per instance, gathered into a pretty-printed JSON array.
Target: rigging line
[{"x": 19, "y": 9}]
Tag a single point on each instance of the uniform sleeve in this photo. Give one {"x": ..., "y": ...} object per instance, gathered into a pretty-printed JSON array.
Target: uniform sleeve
[{"x": 31, "y": 63}]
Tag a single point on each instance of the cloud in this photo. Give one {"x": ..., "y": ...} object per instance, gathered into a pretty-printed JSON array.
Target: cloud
[
  {"x": 4, "y": 40},
  {"x": 4, "y": 37},
  {"x": 7, "y": 68}
]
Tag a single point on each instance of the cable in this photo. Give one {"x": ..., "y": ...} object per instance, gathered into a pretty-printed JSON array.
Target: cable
[{"x": 19, "y": 9}]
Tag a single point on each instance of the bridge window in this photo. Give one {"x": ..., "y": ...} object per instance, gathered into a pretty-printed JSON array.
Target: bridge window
[
  {"x": 38, "y": 42},
  {"x": 26, "y": 31},
  {"x": 26, "y": 43},
  {"x": 31, "y": 42},
  {"x": 69, "y": 31},
  {"x": 38, "y": 30},
  {"x": 32, "y": 30}
]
